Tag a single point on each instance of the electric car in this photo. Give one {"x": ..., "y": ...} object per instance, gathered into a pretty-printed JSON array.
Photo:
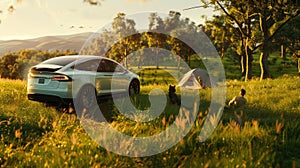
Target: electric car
[{"x": 79, "y": 79}]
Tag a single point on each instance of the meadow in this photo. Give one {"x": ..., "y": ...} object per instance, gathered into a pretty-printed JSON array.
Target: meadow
[{"x": 266, "y": 133}]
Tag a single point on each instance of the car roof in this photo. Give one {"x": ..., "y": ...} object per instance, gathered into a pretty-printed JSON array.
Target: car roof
[
  {"x": 78, "y": 56},
  {"x": 64, "y": 60},
  {"x": 81, "y": 57}
]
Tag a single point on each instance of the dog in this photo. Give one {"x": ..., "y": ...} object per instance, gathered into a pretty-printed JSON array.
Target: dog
[{"x": 172, "y": 95}]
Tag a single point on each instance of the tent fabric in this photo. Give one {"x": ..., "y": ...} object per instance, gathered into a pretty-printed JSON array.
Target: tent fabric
[{"x": 196, "y": 79}]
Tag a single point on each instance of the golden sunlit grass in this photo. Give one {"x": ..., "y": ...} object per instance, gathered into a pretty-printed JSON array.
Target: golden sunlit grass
[{"x": 264, "y": 134}]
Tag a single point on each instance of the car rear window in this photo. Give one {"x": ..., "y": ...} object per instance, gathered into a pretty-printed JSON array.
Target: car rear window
[{"x": 61, "y": 60}]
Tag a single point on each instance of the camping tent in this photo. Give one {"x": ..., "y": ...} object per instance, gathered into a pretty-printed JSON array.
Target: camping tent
[{"x": 197, "y": 79}]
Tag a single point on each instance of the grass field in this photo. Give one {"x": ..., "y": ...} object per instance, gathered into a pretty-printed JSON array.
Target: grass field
[{"x": 264, "y": 134}]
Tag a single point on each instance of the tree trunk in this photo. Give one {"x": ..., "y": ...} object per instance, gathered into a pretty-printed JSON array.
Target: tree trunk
[
  {"x": 125, "y": 58},
  {"x": 243, "y": 64},
  {"x": 189, "y": 57},
  {"x": 156, "y": 58},
  {"x": 249, "y": 59},
  {"x": 248, "y": 51},
  {"x": 282, "y": 51},
  {"x": 265, "y": 50},
  {"x": 243, "y": 58},
  {"x": 178, "y": 62},
  {"x": 264, "y": 64},
  {"x": 299, "y": 65},
  {"x": 223, "y": 46}
]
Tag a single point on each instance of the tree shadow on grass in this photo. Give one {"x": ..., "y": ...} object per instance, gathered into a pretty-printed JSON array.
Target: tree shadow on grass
[
  {"x": 20, "y": 134},
  {"x": 264, "y": 116},
  {"x": 110, "y": 112}
]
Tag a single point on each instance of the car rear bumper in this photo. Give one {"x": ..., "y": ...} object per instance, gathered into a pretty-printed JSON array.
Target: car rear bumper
[{"x": 50, "y": 99}]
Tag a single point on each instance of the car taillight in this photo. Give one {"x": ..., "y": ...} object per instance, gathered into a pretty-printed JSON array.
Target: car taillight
[
  {"x": 30, "y": 75},
  {"x": 61, "y": 78}
]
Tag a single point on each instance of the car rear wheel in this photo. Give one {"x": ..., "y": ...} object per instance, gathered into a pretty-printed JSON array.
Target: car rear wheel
[
  {"x": 87, "y": 97},
  {"x": 134, "y": 87}
]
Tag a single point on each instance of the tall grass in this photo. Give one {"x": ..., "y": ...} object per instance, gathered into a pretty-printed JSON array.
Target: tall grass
[{"x": 266, "y": 133}]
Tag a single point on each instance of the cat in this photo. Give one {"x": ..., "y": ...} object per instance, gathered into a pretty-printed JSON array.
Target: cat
[{"x": 172, "y": 95}]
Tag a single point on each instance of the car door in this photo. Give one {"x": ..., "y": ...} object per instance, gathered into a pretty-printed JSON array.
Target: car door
[
  {"x": 111, "y": 77},
  {"x": 85, "y": 71},
  {"x": 120, "y": 79},
  {"x": 103, "y": 77}
]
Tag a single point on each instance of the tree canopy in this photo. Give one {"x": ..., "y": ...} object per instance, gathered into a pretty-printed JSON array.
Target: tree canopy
[
  {"x": 123, "y": 38},
  {"x": 258, "y": 22}
]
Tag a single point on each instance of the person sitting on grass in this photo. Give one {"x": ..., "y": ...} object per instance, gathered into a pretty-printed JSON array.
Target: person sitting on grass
[{"x": 238, "y": 101}]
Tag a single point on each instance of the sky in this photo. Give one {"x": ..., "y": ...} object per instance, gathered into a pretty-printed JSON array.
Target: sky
[{"x": 37, "y": 18}]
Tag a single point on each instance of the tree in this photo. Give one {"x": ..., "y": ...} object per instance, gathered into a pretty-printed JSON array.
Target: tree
[
  {"x": 15, "y": 65},
  {"x": 241, "y": 18},
  {"x": 124, "y": 30},
  {"x": 220, "y": 31},
  {"x": 227, "y": 38},
  {"x": 181, "y": 30},
  {"x": 289, "y": 39},
  {"x": 122, "y": 39},
  {"x": 9, "y": 66},
  {"x": 98, "y": 45},
  {"x": 187, "y": 33},
  {"x": 155, "y": 37},
  {"x": 115, "y": 42},
  {"x": 271, "y": 15}
]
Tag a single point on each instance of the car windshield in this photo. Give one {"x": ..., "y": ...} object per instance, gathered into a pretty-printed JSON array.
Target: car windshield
[{"x": 62, "y": 61}]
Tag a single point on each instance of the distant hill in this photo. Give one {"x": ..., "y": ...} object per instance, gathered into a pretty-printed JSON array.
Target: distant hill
[{"x": 72, "y": 42}]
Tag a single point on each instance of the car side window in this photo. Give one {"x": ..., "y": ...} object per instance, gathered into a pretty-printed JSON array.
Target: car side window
[
  {"x": 91, "y": 65},
  {"x": 109, "y": 66}
]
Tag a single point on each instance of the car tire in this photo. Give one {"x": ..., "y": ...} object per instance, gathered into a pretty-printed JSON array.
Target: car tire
[
  {"x": 87, "y": 97},
  {"x": 134, "y": 87}
]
